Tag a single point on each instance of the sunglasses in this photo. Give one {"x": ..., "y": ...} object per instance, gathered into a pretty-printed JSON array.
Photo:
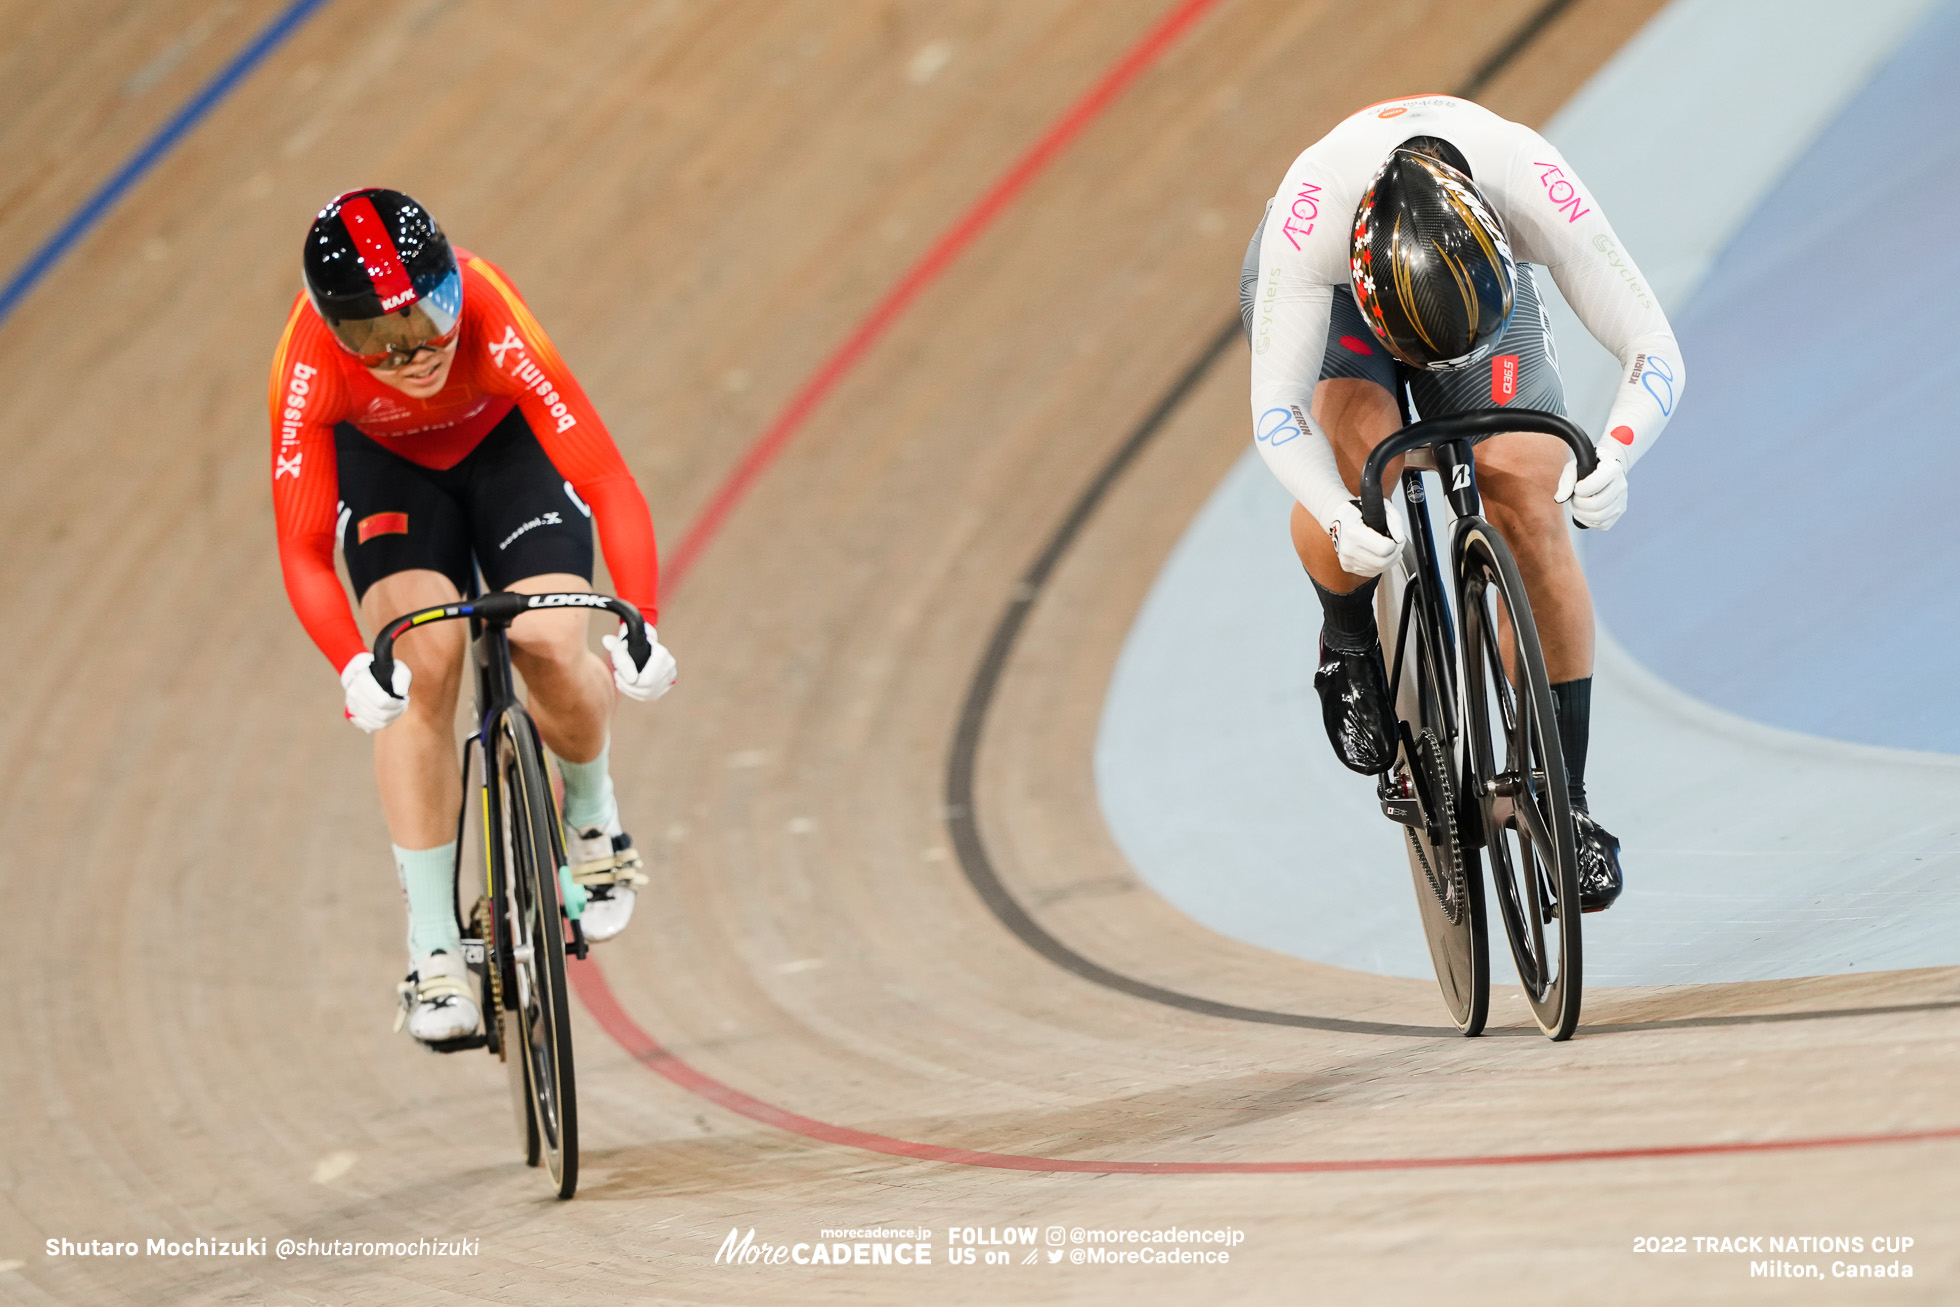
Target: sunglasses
[
  {"x": 394, "y": 340},
  {"x": 401, "y": 356}
]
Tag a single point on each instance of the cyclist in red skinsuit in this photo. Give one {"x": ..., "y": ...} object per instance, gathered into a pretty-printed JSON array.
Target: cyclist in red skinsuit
[
  {"x": 422, "y": 419},
  {"x": 503, "y": 360}
]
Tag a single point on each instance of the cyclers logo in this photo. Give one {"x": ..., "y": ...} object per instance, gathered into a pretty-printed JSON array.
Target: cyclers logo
[{"x": 297, "y": 389}]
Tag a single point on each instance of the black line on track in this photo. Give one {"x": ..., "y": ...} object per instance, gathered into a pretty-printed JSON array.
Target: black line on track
[
  {"x": 962, "y": 821},
  {"x": 1530, "y": 30}
]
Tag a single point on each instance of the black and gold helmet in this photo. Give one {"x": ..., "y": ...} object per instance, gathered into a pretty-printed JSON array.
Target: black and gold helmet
[{"x": 1431, "y": 268}]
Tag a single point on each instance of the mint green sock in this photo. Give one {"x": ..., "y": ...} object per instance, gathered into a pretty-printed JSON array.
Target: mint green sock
[
  {"x": 589, "y": 792},
  {"x": 428, "y": 878}
]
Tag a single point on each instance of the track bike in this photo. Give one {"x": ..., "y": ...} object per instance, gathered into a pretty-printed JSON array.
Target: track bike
[
  {"x": 1478, "y": 772},
  {"x": 517, "y": 935}
]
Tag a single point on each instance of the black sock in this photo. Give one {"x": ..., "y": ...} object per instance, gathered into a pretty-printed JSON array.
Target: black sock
[
  {"x": 1572, "y": 704},
  {"x": 1348, "y": 621}
]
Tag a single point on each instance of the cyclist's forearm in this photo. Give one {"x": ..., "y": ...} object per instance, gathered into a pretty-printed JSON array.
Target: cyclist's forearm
[
  {"x": 315, "y": 591},
  {"x": 1652, "y": 375},
  {"x": 625, "y": 527},
  {"x": 1305, "y": 463},
  {"x": 1612, "y": 298},
  {"x": 1289, "y": 339}
]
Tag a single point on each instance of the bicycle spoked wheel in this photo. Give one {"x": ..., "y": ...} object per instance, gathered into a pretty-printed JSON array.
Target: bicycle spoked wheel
[
  {"x": 510, "y": 1029},
  {"x": 1518, "y": 777},
  {"x": 515, "y": 1063},
  {"x": 540, "y": 1026}
]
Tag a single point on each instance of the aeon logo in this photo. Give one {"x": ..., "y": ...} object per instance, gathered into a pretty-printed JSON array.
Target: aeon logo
[
  {"x": 1304, "y": 209},
  {"x": 1559, "y": 189}
]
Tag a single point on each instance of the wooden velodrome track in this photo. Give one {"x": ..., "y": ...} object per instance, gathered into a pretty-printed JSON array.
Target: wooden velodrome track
[{"x": 702, "y": 202}]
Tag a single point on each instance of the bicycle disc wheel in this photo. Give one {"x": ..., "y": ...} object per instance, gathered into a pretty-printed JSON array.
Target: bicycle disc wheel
[
  {"x": 1449, "y": 889},
  {"x": 1447, "y": 873},
  {"x": 1517, "y": 774},
  {"x": 543, "y": 1029}
]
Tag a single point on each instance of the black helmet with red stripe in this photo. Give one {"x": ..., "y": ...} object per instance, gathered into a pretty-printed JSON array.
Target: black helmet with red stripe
[
  {"x": 1431, "y": 268},
  {"x": 381, "y": 274}
]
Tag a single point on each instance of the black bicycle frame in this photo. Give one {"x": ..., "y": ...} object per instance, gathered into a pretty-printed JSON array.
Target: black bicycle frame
[
  {"x": 490, "y": 616},
  {"x": 1451, "y": 440}
]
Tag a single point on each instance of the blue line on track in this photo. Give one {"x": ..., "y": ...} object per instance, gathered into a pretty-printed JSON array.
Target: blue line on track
[{"x": 85, "y": 218}]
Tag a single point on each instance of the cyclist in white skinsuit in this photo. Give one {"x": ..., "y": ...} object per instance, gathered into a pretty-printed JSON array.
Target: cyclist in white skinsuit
[{"x": 1321, "y": 398}]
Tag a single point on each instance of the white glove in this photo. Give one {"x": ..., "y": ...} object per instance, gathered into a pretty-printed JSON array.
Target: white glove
[
  {"x": 1599, "y": 500},
  {"x": 642, "y": 683},
  {"x": 1364, "y": 552},
  {"x": 368, "y": 705}
]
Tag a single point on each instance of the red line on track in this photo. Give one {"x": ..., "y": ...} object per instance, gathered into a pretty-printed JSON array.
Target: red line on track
[
  {"x": 590, "y": 982},
  {"x": 759, "y": 455},
  {"x": 598, "y": 997}
]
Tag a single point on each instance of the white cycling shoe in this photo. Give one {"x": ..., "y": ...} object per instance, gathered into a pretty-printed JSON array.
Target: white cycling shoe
[
  {"x": 607, "y": 865},
  {"x": 438, "y": 1002}
]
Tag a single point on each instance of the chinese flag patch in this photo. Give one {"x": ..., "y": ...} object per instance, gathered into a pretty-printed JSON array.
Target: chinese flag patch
[{"x": 382, "y": 524}]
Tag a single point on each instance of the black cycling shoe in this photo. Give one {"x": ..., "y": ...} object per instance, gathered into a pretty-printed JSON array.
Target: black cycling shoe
[
  {"x": 1599, "y": 863},
  {"x": 1355, "y": 706}
]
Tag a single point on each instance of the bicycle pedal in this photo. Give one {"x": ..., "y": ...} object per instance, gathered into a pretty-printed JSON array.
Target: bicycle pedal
[
  {"x": 1406, "y": 811},
  {"x": 456, "y": 1045},
  {"x": 473, "y": 954},
  {"x": 1398, "y": 800}
]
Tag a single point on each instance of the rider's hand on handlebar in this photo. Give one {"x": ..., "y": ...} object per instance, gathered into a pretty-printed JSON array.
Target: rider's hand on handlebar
[
  {"x": 1364, "y": 552},
  {"x": 643, "y": 683},
  {"x": 1599, "y": 500},
  {"x": 368, "y": 705}
]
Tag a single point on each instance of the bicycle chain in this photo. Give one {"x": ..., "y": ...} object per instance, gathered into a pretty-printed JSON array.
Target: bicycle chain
[
  {"x": 1450, "y": 899},
  {"x": 493, "y": 963}
]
